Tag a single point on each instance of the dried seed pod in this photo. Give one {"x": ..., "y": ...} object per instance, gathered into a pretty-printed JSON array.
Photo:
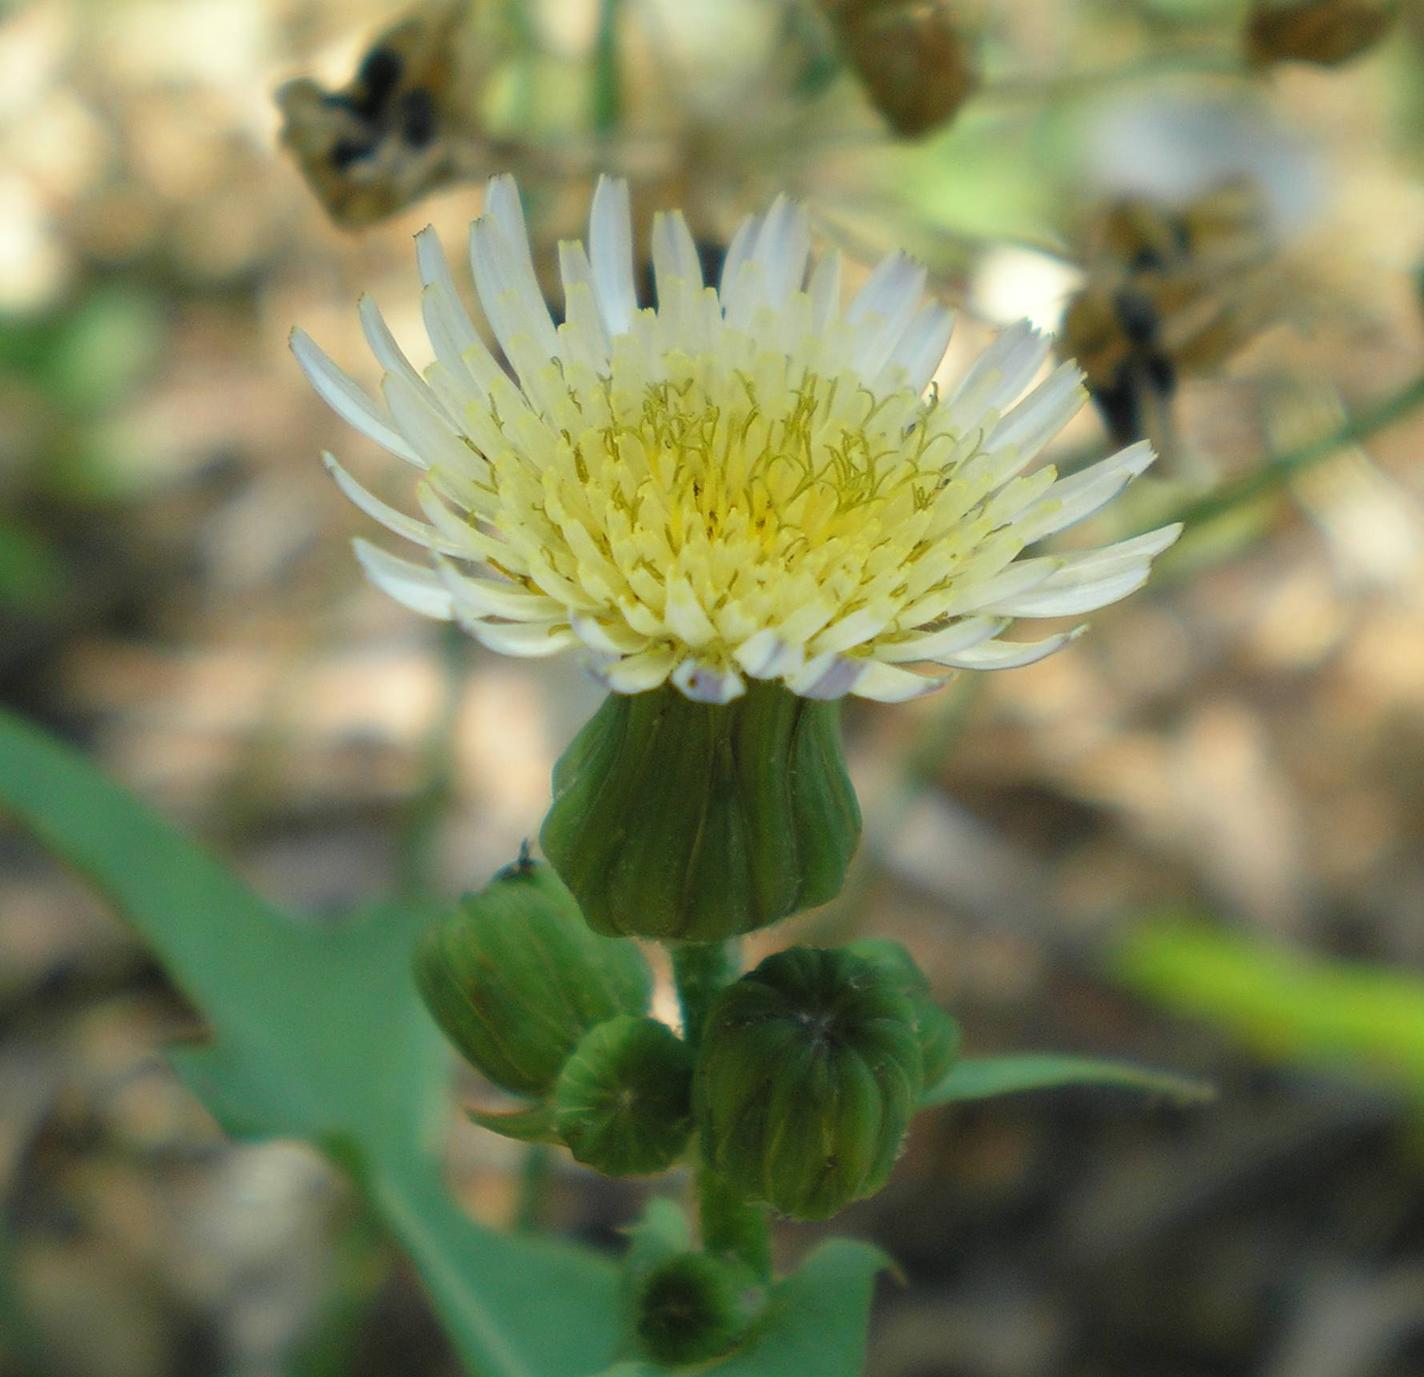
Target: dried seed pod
[
  {"x": 912, "y": 56},
  {"x": 688, "y": 821},
  {"x": 380, "y": 142},
  {"x": 1170, "y": 290},
  {"x": 807, "y": 1077},
  {"x": 623, "y": 1102},
  {"x": 1325, "y": 32},
  {"x": 515, "y": 978}
]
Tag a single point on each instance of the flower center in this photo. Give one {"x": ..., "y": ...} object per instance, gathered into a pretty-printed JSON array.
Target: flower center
[{"x": 743, "y": 493}]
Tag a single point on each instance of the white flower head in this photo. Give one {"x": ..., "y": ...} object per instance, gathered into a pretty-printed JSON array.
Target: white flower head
[{"x": 749, "y": 480}]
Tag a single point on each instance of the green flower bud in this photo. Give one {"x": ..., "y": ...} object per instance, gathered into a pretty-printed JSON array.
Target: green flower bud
[
  {"x": 623, "y": 1102},
  {"x": 937, "y": 1032},
  {"x": 515, "y": 978},
  {"x": 694, "y": 1307},
  {"x": 695, "y": 822},
  {"x": 809, "y": 1073}
]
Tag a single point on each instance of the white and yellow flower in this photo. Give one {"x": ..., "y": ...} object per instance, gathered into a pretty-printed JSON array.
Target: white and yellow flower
[{"x": 748, "y": 480}]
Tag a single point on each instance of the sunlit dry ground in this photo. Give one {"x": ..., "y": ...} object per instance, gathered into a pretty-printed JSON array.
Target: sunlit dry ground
[{"x": 1246, "y": 741}]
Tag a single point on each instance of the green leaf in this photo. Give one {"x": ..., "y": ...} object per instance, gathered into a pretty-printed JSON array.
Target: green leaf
[
  {"x": 1285, "y": 1004},
  {"x": 318, "y": 1034},
  {"x": 982, "y": 1078},
  {"x": 815, "y": 1324}
]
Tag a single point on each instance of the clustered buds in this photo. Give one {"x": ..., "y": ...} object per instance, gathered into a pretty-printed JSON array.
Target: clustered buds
[
  {"x": 695, "y": 822},
  {"x": 809, "y": 1069},
  {"x": 809, "y": 1072}
]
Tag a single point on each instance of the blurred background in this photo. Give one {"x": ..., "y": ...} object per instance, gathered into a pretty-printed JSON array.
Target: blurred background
[{"x": 1196, "y": 838}]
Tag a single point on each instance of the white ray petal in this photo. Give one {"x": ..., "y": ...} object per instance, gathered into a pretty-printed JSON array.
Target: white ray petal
[
  {"x": 411, "y": 585},
  {"x": 1054, "y": 599},
  {"x": 610, "y": 251},
  {"x": 1107, "y": 558},
  {"x": 783, "y": 244},
  {"x": 609, "y": 638},
  {"x": 921, "y": 348},
  {"x": 435, "y": 272},
  {"x": 509, "y": 265},
  {"x": 431, "y": 438},
  {"x": 1040, "y": 416},
  {"x": 1015, "y": 578},
  {"x": 418, "y": 532},
  {"x": 340, "y": 392},
  {"x": 893, "y": 289},
  {"x": 1009, "y": 654},
  {"x": 767, "y": 655},
  {"x": 674, "y": 253},
  {"x": 824, "y": 290},
  {"x": 931, "y": 645},
  {"x": 383, "y": 345},
  {"x": 530, "y": 640},
  {"x": 1093, "y": 578},
  {"x": 738, "y": 251},
  {"x": 638, "y": 673},
  {"x": 851, "y": 630},
  {"x": 1071, "y": 499},
  {"x": 886, "y": 684},
  {"x": 581, "y": 313},
  {"x": 478, "y": 598},
  {"x": 1000, "y": 374}
]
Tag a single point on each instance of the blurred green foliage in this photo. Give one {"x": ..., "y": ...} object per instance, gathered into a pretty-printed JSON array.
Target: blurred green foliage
[{"x": 1285, "y": 1005}]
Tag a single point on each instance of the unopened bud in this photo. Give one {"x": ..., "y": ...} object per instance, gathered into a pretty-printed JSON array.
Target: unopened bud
[
  {"x": 688, "y": 821},
  {"x": 694, "y": 1307},
  {"x": 623, "y": 1102},
  {"x": 515, "y": 978},
  {"x": 809, "y": 1072}
]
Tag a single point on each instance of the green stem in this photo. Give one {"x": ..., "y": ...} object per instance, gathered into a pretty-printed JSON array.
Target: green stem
[
  {"x": 535, "y": 1173},
  {"x": 731, "y": 1225},
  {"x": 607, "y": 97},
  {"x": 700, "y": 969},
  {"x": 1276, "y": 471}
]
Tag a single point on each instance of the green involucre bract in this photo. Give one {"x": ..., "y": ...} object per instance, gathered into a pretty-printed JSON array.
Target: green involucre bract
[
  {"x": 809, "y": 1072},
  {"x": 515, "y": 978},
  {"x": 691, "y": 821},
  {"x": 623, "y": 1102}
]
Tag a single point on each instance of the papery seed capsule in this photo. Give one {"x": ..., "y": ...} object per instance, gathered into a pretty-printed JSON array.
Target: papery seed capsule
[
  {"x": 514, "y": 977},
  {"x": 937, "y": 1032},
  {"x": 809, "y": 1072},
  {"x": 694, "y": 1307},
  {"x": 1325, "y": 32},
  {"x": 623, "y": 1101},
  {"x": 913, "y": 57},
  {"x": 688, "y": 821}
]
